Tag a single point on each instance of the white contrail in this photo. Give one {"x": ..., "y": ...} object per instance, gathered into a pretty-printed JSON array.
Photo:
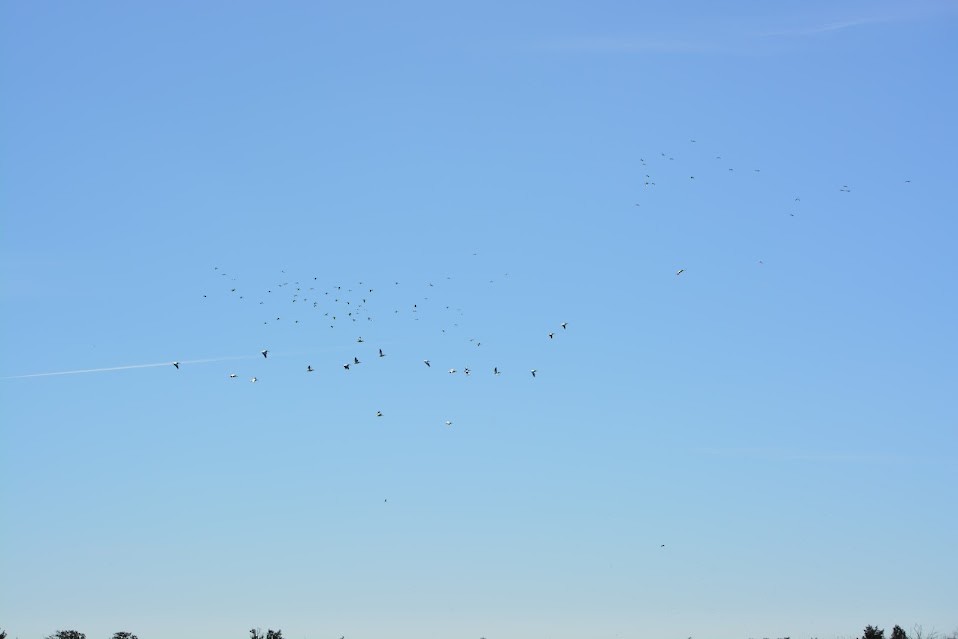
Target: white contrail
[
  {"x": 122, "y": 368},
  {"x": 191, "y": 361}
]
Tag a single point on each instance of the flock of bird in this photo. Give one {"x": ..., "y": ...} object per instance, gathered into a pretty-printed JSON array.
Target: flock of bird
[
  {"x": 306, "y": 300},
  {"x": 306, "y": 304}
]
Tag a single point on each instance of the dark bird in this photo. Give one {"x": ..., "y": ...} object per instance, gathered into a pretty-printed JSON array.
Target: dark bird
[
  {"x": 265, "y": 353},
  {"x": 379, "y": 413},
  {"x": 495, "y": 370},
  {"x": 177, "y": 365},
  {"x": 356, "y": 360},
  {"x": 232, "y": 375},
  {"x": 346, "y": 366},
  {"x": 563, "y": 325},
  {"x": 253, "y": 380},
  {"x": 426, "y": 362},
  {"x": 381, "y": 353},
  {"x": 309, "y": 368},
  {"x": 360, "y": 340},
  {"x": 680, "y": 271},
  {"x": 551, "y": 335},
  {"x": 533, "y": 371}
]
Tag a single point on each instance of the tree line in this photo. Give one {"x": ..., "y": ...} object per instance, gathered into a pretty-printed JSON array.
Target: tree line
[
  {"x": 870, "y": 632},
  {"x": 254, "y": 633}
]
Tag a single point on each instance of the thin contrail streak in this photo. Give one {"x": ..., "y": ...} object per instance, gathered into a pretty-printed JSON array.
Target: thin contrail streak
[
  {"x": 128, "y": 367},
  {"x": 170, "y": 363}
]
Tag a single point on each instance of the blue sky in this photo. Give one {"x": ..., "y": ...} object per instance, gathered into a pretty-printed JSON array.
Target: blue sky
[{"x": 780, "y": 415}]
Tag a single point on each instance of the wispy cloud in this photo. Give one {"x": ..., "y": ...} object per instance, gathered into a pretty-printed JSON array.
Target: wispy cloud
[
  {"x": 828, "y": 27},
  {"x": 736, "y": 37},
  {"x": 901, "y": 12}
]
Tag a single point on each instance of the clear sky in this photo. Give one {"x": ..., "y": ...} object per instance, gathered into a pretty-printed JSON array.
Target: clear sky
[{"x": 781, "y": 415}]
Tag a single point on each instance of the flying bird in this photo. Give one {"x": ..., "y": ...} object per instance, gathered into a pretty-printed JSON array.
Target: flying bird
[
  {"x": 177, "y": 365},
  {"x": 448, "y": 423},
  {"x": 379, "y": 413},
  {"x": 563, "y": 325},
  {"x": 680, "y": 271},
  {"x": 346, "y": 366},
  {"x": 495, "y": 370},
  {"x": 426, "y": 362},
  {"x": 253, "y": 380},
  {"x": 381, "y": 353},
  {"x": 265, "y": 353},
  {"x": 356, "y": 360},
  {"x": 309, "y": 368},
  {"x": 551, "y": 335},
  {"x": 533, "y": 371},
  {"x": 452, "y": 370},
  {"x": 232, "y": 375}
]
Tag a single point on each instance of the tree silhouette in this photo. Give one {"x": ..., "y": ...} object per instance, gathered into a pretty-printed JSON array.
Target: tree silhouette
[
  {"x": 67, "y": 634},
  {"x": 872, "y": 632},
  {"x": 3, "y": 634},
  {"x": 255, "y": 633},
  {"x": 898, "y": 633},
  {"x": 124, "y": 635}
]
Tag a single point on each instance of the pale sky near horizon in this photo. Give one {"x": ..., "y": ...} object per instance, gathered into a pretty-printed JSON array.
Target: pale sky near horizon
[{"x": 760, "y": 446}]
